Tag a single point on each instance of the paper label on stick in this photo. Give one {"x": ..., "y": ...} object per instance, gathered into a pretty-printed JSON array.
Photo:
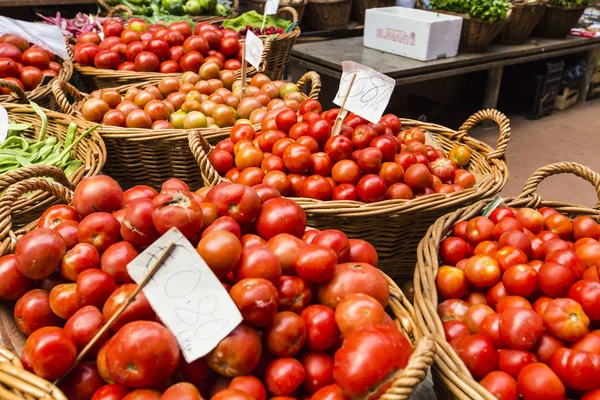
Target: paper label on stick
[
  {"x": 48, "y": 37},
  {"x": 3, "y": 124},
  {"x": 271, "y": 7},
  {"x": 188, "y": 298},
  {"x": 254, "y": 48},
  {"x": 370, "y": 94}
]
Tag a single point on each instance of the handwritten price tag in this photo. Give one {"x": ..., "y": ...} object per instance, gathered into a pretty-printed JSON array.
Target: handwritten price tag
[
  {"x": 271, "y": 7},
  {"x": 370, "y": 93},
  {"x": 187, "y": 296},
  {"x": 48, "y": 37},
  {"x": 254, "y": 48}
]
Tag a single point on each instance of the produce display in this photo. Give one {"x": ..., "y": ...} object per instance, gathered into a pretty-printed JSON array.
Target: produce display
[
  {"x": 147, "y": 47},
  {"x": 520, "y": 302},
  {"x": 159, "y": 8},
  {"x": 24, "y": 64},
  {"x": 17, "y": 152},
  {"x": 297, "y": 155},
  {"x": 211, "y": 99},
  {"x": 312, "y": 301},
  {"x": 73, "y": 27}
]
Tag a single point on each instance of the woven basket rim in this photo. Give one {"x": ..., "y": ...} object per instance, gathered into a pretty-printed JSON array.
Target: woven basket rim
[
  {"x": 494, "y": 161},
  {"x": 469, "y": 18},
  {"x": 448, "y": 365}
]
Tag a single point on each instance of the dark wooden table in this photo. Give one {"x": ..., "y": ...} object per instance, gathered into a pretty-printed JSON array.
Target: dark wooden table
[{"x": 326, "y": 58}]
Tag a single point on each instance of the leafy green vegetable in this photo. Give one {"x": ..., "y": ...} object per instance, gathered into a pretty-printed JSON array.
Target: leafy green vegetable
[
  {"x": 255, "y": 20},
  {"x": 488, "y": 10}
]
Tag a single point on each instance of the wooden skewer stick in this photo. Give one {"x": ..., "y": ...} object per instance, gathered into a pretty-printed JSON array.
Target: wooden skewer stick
[
  {"x": 151, "y": 271},
  {"x": 243, "y": 70},
  {"x": 339, "y": 120}
]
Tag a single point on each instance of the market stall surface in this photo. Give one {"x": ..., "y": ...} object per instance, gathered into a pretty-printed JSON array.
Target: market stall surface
[{"x": 570, "y": 135}]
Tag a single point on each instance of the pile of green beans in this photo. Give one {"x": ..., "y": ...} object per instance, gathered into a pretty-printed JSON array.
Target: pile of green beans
[{"x": 17, "y": 152}]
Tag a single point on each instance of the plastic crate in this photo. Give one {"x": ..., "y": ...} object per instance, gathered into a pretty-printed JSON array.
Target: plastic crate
[{"x": 567, "y": 98}]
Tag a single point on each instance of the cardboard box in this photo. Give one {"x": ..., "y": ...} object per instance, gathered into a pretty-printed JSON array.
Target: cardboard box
[{"x": 419, "y": 34}]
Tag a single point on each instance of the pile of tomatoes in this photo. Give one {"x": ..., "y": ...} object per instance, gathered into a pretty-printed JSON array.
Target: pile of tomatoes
[
  {"x": 23, "y": 64},
  {"x": 312, "y": 301},
  {"x": 297, "y": 155},
  {"x": 155, "y": 48},
  {"x": 210, "y": 99},
  {"x": 521, "y": 301}
]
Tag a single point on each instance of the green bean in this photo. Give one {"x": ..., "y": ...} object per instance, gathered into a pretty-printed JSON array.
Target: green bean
[
  {"x": 36, "y": 146},
  {"x": 24, "y": 162},
  {"x": 15, "y": 140},
  {"x": 68, "y": 141},
  {"x": 44, "y": 119},
  {"x": 72, "y": 167},
  {"x": 52, "y": 140}
]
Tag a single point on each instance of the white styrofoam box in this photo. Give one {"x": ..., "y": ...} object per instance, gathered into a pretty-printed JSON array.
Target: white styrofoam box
[{"x": 419, "y": 34}]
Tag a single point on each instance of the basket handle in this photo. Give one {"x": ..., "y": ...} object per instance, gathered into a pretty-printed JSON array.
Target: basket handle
[
  {"x": 290, "y": 10},
  {"x": 415, "y": 371},
  {"x": 235, "y": 9},
  {"x": 34, "y": 171},
  {"x": 496, "y": 116},
  {"x": 8, "y": 238},
  {"x": 68, "y": 45},
  {"x": 120, "y": 8},
  {"x": 567, "y": 167},
  {"x": 315, "y": 83},
  {"x": 15, "y": 89},
  {"x": 60, "y": 89},
  {"x": 201, "y": 149}
]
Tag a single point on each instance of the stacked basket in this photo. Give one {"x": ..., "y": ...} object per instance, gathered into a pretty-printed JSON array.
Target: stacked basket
[{"x": 395, "y": 227}]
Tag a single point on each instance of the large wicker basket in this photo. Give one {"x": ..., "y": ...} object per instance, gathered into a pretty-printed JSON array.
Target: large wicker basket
[
  {"x": 359, "y": 7},
  {"x": 395, "y": 227},
  {"x": 90, "y": 151},
  {"x": 150, "y": 157},
  {"x": 451, "y": 377},
  {"x": 399, "y": 307},
  {"x": 42, "y": 95},
  {"x": 281, "y": 46},
  {"x": 328, "y": 14},
  {"x": 94, "y": 78},
  {"x": 525, "y": 16},
  {"x": 556, "y": 22},
  {"x": 259, "y": 7}
]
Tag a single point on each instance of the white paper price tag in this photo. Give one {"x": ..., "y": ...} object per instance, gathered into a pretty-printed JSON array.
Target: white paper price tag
[
  {"x": 48, "y": 37},
  {"x": 271, "y": 7},
  {"x": 254, "y": 48},
  {"x": 370, "y": 93},
  {"x": 188, "y": 298},
  {"x": 3, "y": 124}
]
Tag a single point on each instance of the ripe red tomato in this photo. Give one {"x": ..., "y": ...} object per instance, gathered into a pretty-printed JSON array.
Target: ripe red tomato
[
  {"x": 453, "y": 309},
  {"x": 83, "y": 326},
  {"x": 316, "y": 262},
  {"x": 577, "y": 369},
  {"x": 490, "y": 328},
  {"x": 82, "y": 382},
  {"x": 501, "y": 385},
  {"x": 229, "y": 46},
  {"x": 513, "y": 361},
  {"x": 63, "y": 300},
  {"x": 13, "y": 284},
  {"x": 520, "y": 328},
  {"x": 56, "y": 214},
  {"x": 371, "y": 188},
  {"x": 237, "y": 354},
  {"x": 257, "y": 300},
  {"x": 179, "y": 209},
  {"x": 97, "y": 193},
  {"x": 479, "y": 229},
  {"x": 50, "y": 352},
  {"x": 538, "y": 382},
  {"x": 451, "y": 283},
  {"x": 316, "y": 187},
  {"x": 417, "y": 177},
  {"x": 280, "y": 216},
  {"x": 32, "y": 312},
  {"x": 287, "y": 334},
  {"x": 565, "y": 319},
  {"x": 249, "y": 384},
  {"x": 113, "y": 391},
  {"x": 520, "y": 280},
  {"x": 475, "y": 316},
  {"x": 587, "y": 294},
  {"x": 560, "y": 225},
  {"x": 478, "y": 354},
  {"x": 546, "y": 346},
  {"x": 138, "y": 310},
  {"x": 482, "y": 271},
  {"x": 319, "y": 371},
  {"x": 284, "y": 376},
  {"x": 39, "y": 253},
  {"x": 355, "y": 370},
  {"x": 356, "y": 311},
  {"x": 321, "y": 329},
  {"x": 454, "y": 329},
  {"x": 363, "y": 251},
  {"x": 568, "y": 258},
  {"x": 81, "y": 257},
  {"x": 258, "y": 261},
  {"x": 555, "y": 279}
]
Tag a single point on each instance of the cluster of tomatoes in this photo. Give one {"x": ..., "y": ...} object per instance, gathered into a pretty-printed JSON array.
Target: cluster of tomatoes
[
  {"x": 155, "y": 48},
  {"x": 211, "y": 99},
  {"x": 23, "y": 64},
  {"x": 522, "y": 300},
  {"x": 312, "y": 301},
  {"x": 297, "y": 155}
]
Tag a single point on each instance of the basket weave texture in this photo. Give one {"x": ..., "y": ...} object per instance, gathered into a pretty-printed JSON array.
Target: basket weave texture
[
  {"x": 259, "y": 7},
  {"x": 556, "y": 22},
  {"x": 328, "y": 14},
  {"x": 525, "y": 16},
  {"x": 281, "y": 46},
  {"x": 395, "y": 227},
  {"x": 451, "y": 377},
  {"x": 399, "y": 307},
  {"x": 90, "y": 150},
  {"x": 150, "y": 157}
]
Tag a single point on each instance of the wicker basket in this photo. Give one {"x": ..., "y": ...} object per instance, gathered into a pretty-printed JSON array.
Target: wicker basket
[
  {"x": 259, "y": 7},
  {"x": 451, "y": 377},
  {"x": 359, "y": 7},
  {"x": 94, "y": 78},
  {"x": 121, "y": 9},
  {"x": 90, "y": 151},
  {"x": 399, "y": 307},
  {"x": 405, "y": 221},
  {"x": 557, "y": 21},
  {"x": 145, "y": 156},
  {"x": 42, "y": 95},
  {"x": 525, "y": 16},
  {"x": 281, "y": 46},
  {"x": 328, "y": 14}
]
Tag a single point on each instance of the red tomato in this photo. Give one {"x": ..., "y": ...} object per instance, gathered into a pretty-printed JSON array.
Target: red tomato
[
  {"x": 482, "y": 271},
  {"x": 280, "y": 216},
  {"x": 137, "y": 227},
  {"x": 115, "y": 259},
  {"x": 111, "y": 392},
  {"x": 520, "y": 328},
  {"x": 538, "y": 382},
  {"x": 50, "y": 352},
  {"x": 284, "y": 376},
  {"x": 182, "y": 391},
  {"x": 520, "y": 280},
  {"x": 513, "y": 361},
  {"x": 490, "y": 328},
  {"x": 451, "y": 283},
  {"x": 453, "y": 309},
  {"x": 56, "y": 214},
  {"x": 555, "y": 279},
  {"x": 138, "y": 310},
  {"x": 568, "y": 258},
  {"x": 286, "y": 336},
  {"x": 13, "y": 284},
  {"x": 509, "y": 256},
  {"x": 589, "y": 343},
  {"x": 565, "y": 319},
  {"x": 452, "y": 250},
  {"x": 319, "y": 371},
  {"x": 32, "y": 312},
  {"x": 257, "y": 300},
  {"x": 454, "y": 329},
  {"x": 367, "y": 357},
  {"x": 81, "y": 257},
  {"x": 97, "y": 193},
  {"x": 587, "y": 294},
  {"x": 321, "y": 329},
  {"x": 84, "y": 325},
  {"x": 82, "y": 382},
  {"x": 577, "y": 369},
  {"x": 478, "y": 354},
  {"x": 331, "y": 392},
  {"x": 39, "y": 252},
  {"x": 512, "y": 302},
  {"x": 356, "y": 311},
  {"x": 249, "y": 384},
  {"x": 237, "y": 354},
  {"x": 178, "y": 209},
  {"x": 63, "y": 300},
  {"x": 501, "y": 385},
  {"x": 546, "y": 346}
]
